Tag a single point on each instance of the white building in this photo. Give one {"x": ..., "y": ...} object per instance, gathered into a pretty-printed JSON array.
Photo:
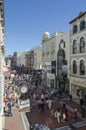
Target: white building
[
  {"x": 2, "y": 60},
  {"x": 78, "y": 56},
  {"x": 20, "y": 59},
  {"x": 49, "y": 56},
  {"x": 38, "y": 58}
]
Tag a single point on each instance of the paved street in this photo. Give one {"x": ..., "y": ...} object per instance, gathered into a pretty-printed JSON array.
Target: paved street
[
  {"x": 14, "y": 122},
  {"x": 17, "y": 121},
  {"x": 37, "y": 117}
]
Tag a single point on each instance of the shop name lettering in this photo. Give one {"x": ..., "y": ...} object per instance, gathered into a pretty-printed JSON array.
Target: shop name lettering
[{"x": 25, "y": 102}]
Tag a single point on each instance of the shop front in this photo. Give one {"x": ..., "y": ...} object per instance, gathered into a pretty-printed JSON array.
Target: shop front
[
  {"x": 51, "y": 80},
  {"x": 78, "y": 88}
]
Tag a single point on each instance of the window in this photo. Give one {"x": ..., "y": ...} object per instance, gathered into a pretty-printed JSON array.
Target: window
[
  {"x": 82, "y": 67},
  {"x": 82, "y": 25},
  {"x": 74, "y": 67},
  {"x": 74, "y": 47},
  {"x": 74, "y": 29},
  {"x": 82, "y": 45}
]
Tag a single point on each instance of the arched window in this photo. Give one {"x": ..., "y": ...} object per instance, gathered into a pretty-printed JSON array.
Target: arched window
[
  {"x": 82, "y": 67},
  {"x": 82, "y": 45},
  {"x": 74, "y": 67},
  {"x": 74, "y": 47},
  {"x": 75, "y": 29},
  {"x": 82, "y": 25}
]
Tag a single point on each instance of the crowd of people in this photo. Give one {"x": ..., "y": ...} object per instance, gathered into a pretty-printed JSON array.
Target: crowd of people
[{"x": 42, "y": 99}]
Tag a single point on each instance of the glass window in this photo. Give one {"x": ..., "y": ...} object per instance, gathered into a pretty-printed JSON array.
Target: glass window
[
  {"x": 74, "y": 67},
  {"x": 74, "y": 47},
  {"x": 74, "y": 29},
  {"x": 82, "y": 45},
  {"x": 82, "y": 25},
  {"x": 82, "y": 67}
]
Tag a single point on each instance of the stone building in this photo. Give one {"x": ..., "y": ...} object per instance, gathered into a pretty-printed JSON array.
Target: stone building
[
  {"x": 78, "y": 56},
  {"x": 50, "y": 48},
  {"x": 62, "y": 64},
  {"x": 2, "y": 60}
]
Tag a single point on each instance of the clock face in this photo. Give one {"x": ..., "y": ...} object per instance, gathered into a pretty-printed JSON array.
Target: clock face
[{"x": 23, "y": 89}]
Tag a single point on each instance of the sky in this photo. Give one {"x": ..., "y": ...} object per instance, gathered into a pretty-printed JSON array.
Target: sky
[{"x": 27, "y": 20}]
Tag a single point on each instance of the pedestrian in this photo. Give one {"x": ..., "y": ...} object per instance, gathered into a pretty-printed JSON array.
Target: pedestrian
[
  {"x": 83, "y": 111},
  {"x": 39, "y": 105},
  {"x": 63, "y": 117},
  {"x": 49, "y": 103},
  {"x": 63, "y": 106},
  {"x": 52, "y": 112},
  {"x": 46, "y": 97},
  {"x": 4, "y": 105},
  {"x": 10, "y": 112},
  {"x": 42, "y": 97},
  {"x": 81, "y": 101},
  {"x": 67, "y": 114},
  {"x": 42, "y": 106},
  {"x": 75, "y": 114},
  {"x": 58, "y": 114},
  {"x": 70, "y": 97}
]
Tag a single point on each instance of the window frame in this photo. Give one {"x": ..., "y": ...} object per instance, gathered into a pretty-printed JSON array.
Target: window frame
[
  {"x": 82, "y": 67},
  {"x": 74, "y": 67},
  {"x": 82, "y": 45},
  {"x": 82, "y": 25}
]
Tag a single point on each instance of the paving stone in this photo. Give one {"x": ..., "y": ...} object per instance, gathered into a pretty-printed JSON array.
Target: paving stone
[
  {"x": 79, "y": 124},
  {"x": 63, "y": 128}
]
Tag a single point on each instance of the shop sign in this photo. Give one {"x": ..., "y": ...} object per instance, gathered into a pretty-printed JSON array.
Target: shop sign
[
  {"x": 24, "y": 104},
  {"x": 78, "y": 81}
]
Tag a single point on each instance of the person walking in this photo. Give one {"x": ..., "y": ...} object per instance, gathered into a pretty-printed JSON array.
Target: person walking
[
  {"x": 81, "y": 101},
  {"x": 83, "y": 111},
  {"x": 58, "y": 114},
  {"x": 63, "y": 117},
  {"x": 70, "y": 97},
  {"x": 75, "y": 114},
  {"x": 67, "y": 114},
  {"x": 63, "y": 106},
  {"x": 10, "y": 112},
  {"x": 49, "y": 103}
]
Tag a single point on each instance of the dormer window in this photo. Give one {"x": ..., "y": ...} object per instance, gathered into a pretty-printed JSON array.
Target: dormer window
[
  {"x": 75, "y": 29},
  {"x": 82, "y": 25}
]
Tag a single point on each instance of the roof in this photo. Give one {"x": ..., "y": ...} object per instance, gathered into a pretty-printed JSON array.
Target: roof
[{"x": 80, "y": 15}]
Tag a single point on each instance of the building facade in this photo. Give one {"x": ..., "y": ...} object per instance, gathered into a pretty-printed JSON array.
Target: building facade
[
  {"x": 78, "y": 56},
  {"x": 49, "y": 57},
  {"x": 62, "y": 64},
  {"x": 2, "y": 60}
]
